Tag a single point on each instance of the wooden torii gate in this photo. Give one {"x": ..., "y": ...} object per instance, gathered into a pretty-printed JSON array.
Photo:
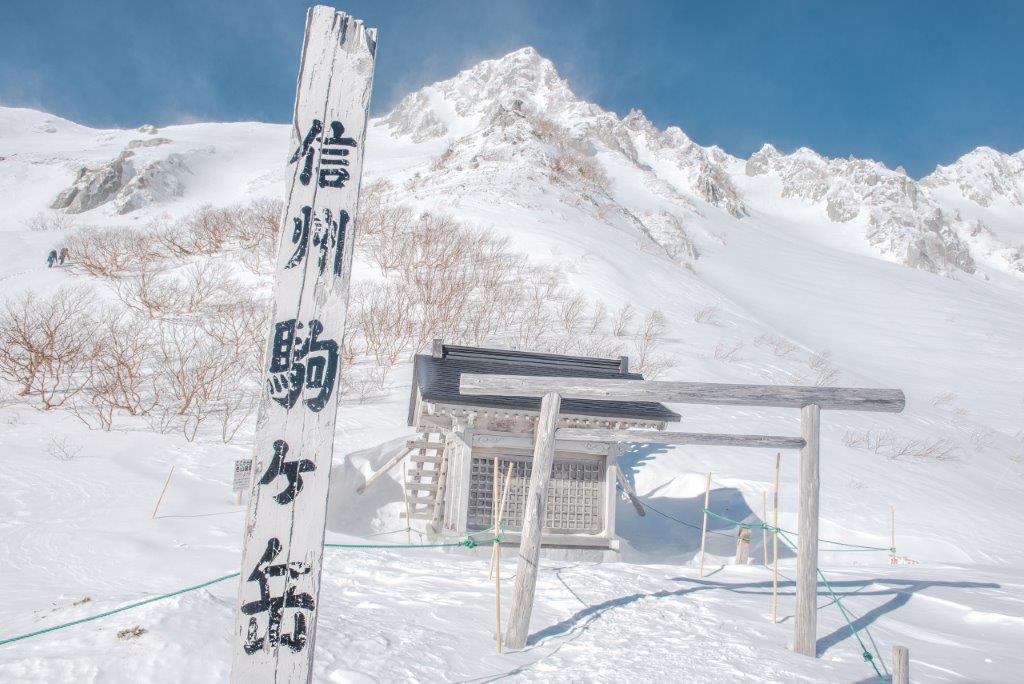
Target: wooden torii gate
[{"x": 810, "y": 401}]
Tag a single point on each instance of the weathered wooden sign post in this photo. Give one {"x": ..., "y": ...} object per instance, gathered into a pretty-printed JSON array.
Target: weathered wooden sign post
[{"x": 279, "y": 593}]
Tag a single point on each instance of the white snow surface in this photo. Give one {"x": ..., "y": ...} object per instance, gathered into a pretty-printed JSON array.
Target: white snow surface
[{"x": 909, "y": 284}]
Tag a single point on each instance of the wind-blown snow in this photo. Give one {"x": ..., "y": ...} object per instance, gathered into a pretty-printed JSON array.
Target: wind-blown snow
[{"x": 910, "y": 284}]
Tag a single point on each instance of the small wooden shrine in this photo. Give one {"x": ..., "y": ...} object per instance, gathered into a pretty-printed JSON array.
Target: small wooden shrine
[{"x": 450, "y": 479}]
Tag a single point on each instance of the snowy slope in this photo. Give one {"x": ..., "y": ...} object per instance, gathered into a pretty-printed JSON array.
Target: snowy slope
[{"x": 910, "y": 284}]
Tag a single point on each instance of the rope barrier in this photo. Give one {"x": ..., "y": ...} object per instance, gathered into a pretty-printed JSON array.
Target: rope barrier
[
  {"x": 842, "y": 609},
  {"x": 772, "y": 528},
  {"x": 151, "y": 599},
  {"x": 468, "y": 542},
  {"x": 672, "y": 518},
  {"x": 868, "y": 657}
]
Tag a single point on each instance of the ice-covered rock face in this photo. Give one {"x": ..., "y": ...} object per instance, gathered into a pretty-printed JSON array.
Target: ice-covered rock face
[
  {"x": 983, "y": 176},
  {"x": 903, "y": 221},
  {"x": 124, "y": 182}
]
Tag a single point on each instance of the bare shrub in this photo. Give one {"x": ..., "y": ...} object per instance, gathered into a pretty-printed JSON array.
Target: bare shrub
[
  {"x": 622, "y": 320},
  {"x": 111, "y": 252},
  {"x": 192, "y": 372},
  {"x": 857, "y": 439},
  {"x": 821, "y": 363},
  {"x": 597, "y": 319},
  {"x": 574, "y": 168},
  {"x": 381, "y": 225},
  {"x": 47, "y": 344},
  {"x": 708, "y": 315},
  {"x": 50, "y": 220},
  {"x": 647, "y": 356},
  {"x": 384, "y": 315},
  {"x": 728, "y": 351},
  {"x": 572, "y": 312},
  {"x": 63, "y": 450},
  {"x": 204, "y": 232},
  {"x": 256, "y": 223},
  {"x": 599, "y": 346},
  {"x": 924, "y": 449},
  {"x": 119, "y": 378},
  {"x": 943, "y": 398},
  {"x": 534, "y": 319},
  {"x": 199, "y": 286},
  {"x": 241, "y": 326},
  {"x": 259, "y": 233},
  {"x": 895, "y": 447},
  {"x": 571, "y": 163},
  {"x": 547, "y": 130},
  {"x": 368, "y": 383},
  {"x": 776, "y": 344}
]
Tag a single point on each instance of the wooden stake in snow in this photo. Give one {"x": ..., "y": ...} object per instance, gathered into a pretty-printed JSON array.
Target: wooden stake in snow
[
  {"x": 496, "y": 549},
  {"x": 892, "y": 539},
  {"x": 533, "y": 522},
  {"x": 764, "y": 532},
  {"x": 742, "y": 546},
  {"x": 162, "y": 492},
  {"x": 806, "y": 616},
  {"x": 704, "y": 527},
  {"x": 278, "y": 596},
  {"x": 496, "y": 553},
  {"x": 900, "y": 665},
  {"x": 775, "y": 544}
]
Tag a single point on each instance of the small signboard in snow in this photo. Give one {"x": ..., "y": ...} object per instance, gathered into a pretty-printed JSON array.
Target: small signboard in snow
[{"x": 243, "y": 474}]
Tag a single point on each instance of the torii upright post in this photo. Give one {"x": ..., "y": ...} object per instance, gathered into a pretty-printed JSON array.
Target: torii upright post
[
  {"x": 806, "y": 620},
  {"x": 279, "y": 592},
  {"x": 533, "y": 522}
]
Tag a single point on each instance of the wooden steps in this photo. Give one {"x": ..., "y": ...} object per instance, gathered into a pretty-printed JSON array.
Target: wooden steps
[{"x": 424, "y": 479}]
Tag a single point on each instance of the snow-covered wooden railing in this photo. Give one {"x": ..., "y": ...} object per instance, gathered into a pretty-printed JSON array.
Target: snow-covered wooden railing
[
  {"x": 810, "y": 401},
  {"x": 279, "y": 593}
]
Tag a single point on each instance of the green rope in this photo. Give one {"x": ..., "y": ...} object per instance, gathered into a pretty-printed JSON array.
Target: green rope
[
  {"x": 773, "y": 528},
  {"x": 672, "y": 518},
  {"x": 407, "y": 529},
  {"x": 842, "y": 609},
  {"x": 468, "y": 542},
  {"x": 116, "y": 610}
]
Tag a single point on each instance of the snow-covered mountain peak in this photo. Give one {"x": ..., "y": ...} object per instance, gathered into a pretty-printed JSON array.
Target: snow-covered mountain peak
[
  {"x": 983, "y": 175},
  {"x": 522, "y": 79}
]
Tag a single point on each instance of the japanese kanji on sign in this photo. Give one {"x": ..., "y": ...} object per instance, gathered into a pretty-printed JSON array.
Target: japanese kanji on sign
[{"x": 275, "y": 626}]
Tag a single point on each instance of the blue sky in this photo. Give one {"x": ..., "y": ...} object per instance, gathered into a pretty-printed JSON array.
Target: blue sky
[{"x": 907, "y": 83}]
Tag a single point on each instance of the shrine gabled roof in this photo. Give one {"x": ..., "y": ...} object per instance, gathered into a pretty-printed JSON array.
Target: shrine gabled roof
[{"x": 437, "y": 379}]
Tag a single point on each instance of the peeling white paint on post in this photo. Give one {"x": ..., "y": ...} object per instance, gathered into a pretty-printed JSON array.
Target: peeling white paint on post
[
  {"x": 533, "y": 522},
  {"x": 276, "y": 612},
  {"x": 805, "y": 622}
]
